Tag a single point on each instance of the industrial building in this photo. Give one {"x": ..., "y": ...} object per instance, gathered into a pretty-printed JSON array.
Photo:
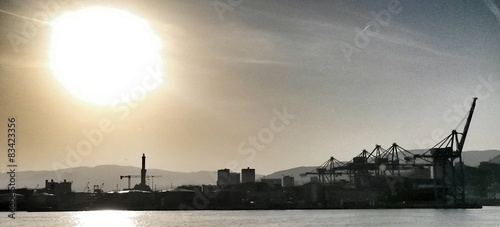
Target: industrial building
[
  {"x": 226, "y": 177},
  {"x": 234, "y": 178},
  {"x": 288, "y": 181},
  {"x": 248, "y": 175},
  {"x": 272, "y": 182},
  {"x": 57, "y": 187}
]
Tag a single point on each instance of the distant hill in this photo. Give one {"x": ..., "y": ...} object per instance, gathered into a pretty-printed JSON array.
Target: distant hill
[
  {"x": 473, "y": 158},
  {"x": 295, "y": 172},
  {"x": 495, "y": 160},
  {"x": 110, "y": 174}
]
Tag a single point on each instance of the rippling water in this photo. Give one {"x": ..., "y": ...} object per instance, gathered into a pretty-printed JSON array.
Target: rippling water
[{"x": 488, "y": 216}]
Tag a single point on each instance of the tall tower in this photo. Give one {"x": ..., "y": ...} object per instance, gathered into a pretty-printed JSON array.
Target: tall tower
[
  {"x": 142, "y": 185},
  {"x": 143, "y": 170}
]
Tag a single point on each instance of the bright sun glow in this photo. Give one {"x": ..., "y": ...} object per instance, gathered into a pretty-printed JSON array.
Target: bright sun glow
[{"x": 105, "y": 56}]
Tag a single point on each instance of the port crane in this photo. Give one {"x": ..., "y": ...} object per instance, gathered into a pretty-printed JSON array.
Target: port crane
[
  {"x": 138, "y": 176},
  {"x": 326, "y": 171},
  {"x": 443, "y": 155},
  {"x": 98, "y": 189},
  {"x": 128, "y": 177},
  {"x": 152, "y": 179},
  {"x": 87, "y": 189},
  {"x": 448, "y": 176}
]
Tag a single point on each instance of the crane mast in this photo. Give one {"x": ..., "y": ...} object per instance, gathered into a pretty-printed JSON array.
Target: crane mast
[
  {"x": 466, "y": 128},
  {"x": 128, "y": 177}
]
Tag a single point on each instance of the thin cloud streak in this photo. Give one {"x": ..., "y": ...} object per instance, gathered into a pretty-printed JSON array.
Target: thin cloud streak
[
  {"x": 257, "y": 61},
  {"x": 493, "y": 8},
  {"x": 26, "y": 18}
]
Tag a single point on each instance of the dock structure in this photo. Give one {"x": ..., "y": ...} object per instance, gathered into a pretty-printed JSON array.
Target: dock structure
[{"x": 436, "y": 175}]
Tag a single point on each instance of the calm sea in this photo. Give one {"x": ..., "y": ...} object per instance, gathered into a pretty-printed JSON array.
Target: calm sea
[{"x": 488, "y": 216}]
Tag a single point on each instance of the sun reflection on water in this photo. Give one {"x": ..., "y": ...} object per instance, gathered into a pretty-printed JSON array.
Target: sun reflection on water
[{"x": 106, "y": 218}]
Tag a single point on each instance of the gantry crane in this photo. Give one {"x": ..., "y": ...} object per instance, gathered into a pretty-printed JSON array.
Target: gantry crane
[
  {"x": 87, "y": 189},
  {"x": 138, "y": 176},
  {"x": 152, "y": 179},
  {"x": 129, "y": 176},
  {"x": 446, "y": 177},
  {"x": 326, "y": 171}
]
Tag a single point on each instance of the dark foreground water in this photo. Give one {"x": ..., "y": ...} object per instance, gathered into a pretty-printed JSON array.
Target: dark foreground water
[{"x": 488, "y": 216}]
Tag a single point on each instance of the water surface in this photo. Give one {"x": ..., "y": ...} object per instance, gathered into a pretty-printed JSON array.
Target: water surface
[{"x": 488, "y": 216}]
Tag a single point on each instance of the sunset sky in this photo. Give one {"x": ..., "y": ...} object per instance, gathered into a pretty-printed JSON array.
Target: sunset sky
[{"x": 231, "y": 71}]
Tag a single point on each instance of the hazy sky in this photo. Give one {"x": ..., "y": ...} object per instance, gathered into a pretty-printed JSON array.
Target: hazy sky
[{"x": 230, "y": 70}]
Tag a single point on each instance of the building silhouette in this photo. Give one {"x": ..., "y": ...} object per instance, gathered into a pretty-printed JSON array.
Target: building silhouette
[
  {"x": 58, "y": 187},
  {"x": 272, "y": 182},
  {"x": 247, "y": 175},
  {"x": 226, "y": 177},
  {"x": 288, "y": 181}
]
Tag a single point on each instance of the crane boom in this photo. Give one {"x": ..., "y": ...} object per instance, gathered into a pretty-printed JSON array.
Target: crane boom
[
  {"x": 153, "y": 178},
  {"x": 86, "y": 189},
  {"x": 129, "y": 176},
  {"x": 466, "y": 128}
]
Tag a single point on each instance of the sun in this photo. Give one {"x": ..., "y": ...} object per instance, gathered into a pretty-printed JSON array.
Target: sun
[{"x": 105, "y": 56}]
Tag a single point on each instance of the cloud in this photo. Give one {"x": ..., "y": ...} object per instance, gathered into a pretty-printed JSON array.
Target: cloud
[
  {"x": 257, "y": 61},
  {"x": 493, "y": 8}
]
